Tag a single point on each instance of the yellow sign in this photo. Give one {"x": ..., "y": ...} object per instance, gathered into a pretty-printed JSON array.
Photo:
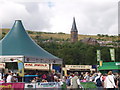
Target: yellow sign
[
  {"x": 100, "y": 62},
  {"x": 78, "y": 66}
]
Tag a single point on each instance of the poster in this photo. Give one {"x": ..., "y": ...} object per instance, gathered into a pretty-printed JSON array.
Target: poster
[{"x": 20, "y": 68}]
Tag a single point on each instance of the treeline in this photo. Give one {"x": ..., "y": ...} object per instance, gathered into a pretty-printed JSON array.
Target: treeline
[
  {"x": 78, "y": 53},
  {"x": 35, "y": 32}
]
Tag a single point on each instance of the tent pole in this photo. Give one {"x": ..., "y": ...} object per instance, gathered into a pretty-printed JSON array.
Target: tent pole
[{"x": 61, "y": 71}]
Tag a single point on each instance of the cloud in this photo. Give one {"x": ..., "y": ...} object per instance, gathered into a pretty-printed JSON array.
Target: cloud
[{"x": 92, "y": 16}]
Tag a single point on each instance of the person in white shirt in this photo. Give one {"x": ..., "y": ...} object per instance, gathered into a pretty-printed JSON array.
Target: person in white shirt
[
  {"x": 9, "y": 78},
  {"x": 0, "y": 76},
  {"x": 75, "y": 82},
  {"x": 109, "y": 81}
]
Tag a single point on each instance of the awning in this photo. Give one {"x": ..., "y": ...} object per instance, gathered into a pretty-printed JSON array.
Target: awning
[{"x": 110, "y": 66}]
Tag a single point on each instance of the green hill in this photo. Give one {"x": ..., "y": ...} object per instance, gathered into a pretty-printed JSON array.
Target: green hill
[{"x": 62, "y": 36}]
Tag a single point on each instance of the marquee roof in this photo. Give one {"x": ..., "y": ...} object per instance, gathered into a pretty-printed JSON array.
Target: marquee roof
[{"x": 18, "y": 42}]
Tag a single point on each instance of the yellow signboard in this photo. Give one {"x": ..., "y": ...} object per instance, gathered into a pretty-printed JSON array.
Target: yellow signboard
[{"x": 78, "y": 66}]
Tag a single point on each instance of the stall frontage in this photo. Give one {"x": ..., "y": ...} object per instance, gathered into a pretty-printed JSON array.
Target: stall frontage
[
  {"x": 79, "y": 68},
  {"x": 17, "y": 48},
  {"x": 109, "y": 66}
]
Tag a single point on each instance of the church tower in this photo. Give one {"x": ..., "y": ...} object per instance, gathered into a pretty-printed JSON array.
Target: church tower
[{"x": 74, "y": 32}]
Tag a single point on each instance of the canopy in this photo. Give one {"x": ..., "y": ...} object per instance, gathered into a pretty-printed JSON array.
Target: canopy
[
  {"x": 17, "y": 42},
  {"x": 110, "y": 66}
]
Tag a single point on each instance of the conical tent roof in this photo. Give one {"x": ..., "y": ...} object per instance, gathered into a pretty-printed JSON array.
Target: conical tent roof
[{"x": 17, "y": 42}]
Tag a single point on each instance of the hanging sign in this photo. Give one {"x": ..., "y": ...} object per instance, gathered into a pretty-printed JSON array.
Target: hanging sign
[
  {"x": 40, "y": 66},
  {"x": 98, "y": 55}
]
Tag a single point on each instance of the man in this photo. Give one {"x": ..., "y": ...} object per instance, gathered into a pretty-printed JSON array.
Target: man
[
  {"x": 98, "y": 81},
  {"x": 75, "y": 82},
  {"x": 109, "y": 82},
  {"x": 9, "y": 77}
]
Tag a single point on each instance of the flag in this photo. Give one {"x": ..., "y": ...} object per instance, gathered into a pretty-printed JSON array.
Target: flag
[
  {"x": 98, "y": 55},
  {"x": 20, "y": 68},
  {"x": 112, "y": 54}
]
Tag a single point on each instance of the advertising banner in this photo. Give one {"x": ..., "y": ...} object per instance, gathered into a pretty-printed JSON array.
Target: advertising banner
[
  {"x": 47, "y": 85},
  {"x": 12, "y": 86},
  {"x": 20, "y": 68},
  {"x": 78, "y": 66},
  {"x": 112, "y": 53},
  {"x": 39, "y": 66},
  {"x": 30, "y": 85},
  {"x": 98, "y": 55}
]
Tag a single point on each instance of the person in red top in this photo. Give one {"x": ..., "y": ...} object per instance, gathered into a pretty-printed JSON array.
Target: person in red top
[{"x": 44, "y": 76}]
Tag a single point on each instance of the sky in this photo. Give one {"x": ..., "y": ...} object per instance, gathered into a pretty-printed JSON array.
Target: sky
[{"x": 92, "y": 16}]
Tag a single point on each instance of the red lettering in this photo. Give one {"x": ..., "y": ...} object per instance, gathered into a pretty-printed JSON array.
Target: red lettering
[{"x": 28, "y": 65}]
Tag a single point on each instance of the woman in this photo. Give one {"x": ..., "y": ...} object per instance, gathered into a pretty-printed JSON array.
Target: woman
[{"x": 109, "y": 82}]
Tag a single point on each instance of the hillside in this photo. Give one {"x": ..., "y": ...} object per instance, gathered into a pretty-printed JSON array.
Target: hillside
[
  {"x": 72, "y": 53},
  {"x": 62, "y": 36}
]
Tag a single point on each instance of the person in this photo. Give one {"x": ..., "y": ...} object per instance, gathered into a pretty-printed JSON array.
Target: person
[
  {"x": 118, "y": 82},
  {"x": 14, "y": 78},
  {"x": 9, "y": 77},
  {"x": 109, "y": 82},
  {"x": 87, "y": 77},
  {"x": 68, "y": 80},
  {"x": 44, "y": 76},
  {"x": 98, "y": 81},
  {"x": 75, "y": 82},
  {"x": 0, "y": 75}
]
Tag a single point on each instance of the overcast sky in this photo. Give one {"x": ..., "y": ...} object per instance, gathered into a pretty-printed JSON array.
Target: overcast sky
[{"x": 92, "y": 16}]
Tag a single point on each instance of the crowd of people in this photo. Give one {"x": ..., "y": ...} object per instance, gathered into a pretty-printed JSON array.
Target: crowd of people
[
  {"x": 108, "y": 80},
  {"x": 73, "y": 80}
]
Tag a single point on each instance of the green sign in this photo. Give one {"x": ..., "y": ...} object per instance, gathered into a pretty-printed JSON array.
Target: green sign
[
  {"x": 112, "y": 53},
  {"x": 98, "y": 55}
]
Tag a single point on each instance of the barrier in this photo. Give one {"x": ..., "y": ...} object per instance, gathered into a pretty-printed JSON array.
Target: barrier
[
  {"x": 12, "y": 86},
  {"x": 38, "y": 85},
  {"x": 88, "y": 85}
]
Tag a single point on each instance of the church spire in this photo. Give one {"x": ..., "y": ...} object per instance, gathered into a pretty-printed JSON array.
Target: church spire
[
  {"x": 74, "y": 32},
  {"x": 74, "y": 27}
]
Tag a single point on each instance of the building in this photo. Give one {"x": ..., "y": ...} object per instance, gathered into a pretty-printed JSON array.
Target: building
[
  {"x": 90, "y": 41},
  {"x": 74, "y": 32}
]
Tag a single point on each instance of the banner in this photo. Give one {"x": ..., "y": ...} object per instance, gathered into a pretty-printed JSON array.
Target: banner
[
  {"x": 112, "y": 53},
  {"x": 48, "y": 85},
  {"x": 12, "y": 86},
  {"x": 78, "y": 66},
  {"x": 38, "y": 66},
  {"x": 98, "y": 55},
  {"x": 30, "y": 85},
  {"x": 20, "y": 68}
]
